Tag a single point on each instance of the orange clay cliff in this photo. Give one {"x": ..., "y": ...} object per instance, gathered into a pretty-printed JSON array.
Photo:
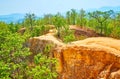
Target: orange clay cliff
[{"x": 92, "y": 58}]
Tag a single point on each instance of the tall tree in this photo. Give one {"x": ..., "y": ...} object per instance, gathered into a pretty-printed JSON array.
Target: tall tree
[
  {"x": 48, "y": 18},
  {"x": 118, "y": 19},
  {"x": 59, "y": 22},
  {"x": 81, "y": 18},
  {"x": 30, "y": 20},
  {"x": 68, "y": 17},
  {"x": 101, "y": 17},
  {"x": 73, "y": 16}
]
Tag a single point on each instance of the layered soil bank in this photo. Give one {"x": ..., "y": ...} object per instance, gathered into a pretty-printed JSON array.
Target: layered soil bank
[{"x": 92, "y": 58}]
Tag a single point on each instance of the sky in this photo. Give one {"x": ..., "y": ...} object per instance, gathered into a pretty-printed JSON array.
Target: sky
[{"x": 51, "y": 6}]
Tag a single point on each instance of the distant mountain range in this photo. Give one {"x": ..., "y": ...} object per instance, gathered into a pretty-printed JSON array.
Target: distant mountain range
[{"x": 17, "y": 17}]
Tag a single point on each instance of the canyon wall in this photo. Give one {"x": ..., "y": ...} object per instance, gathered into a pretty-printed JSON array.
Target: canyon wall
[{"x": 92, "y": 58}]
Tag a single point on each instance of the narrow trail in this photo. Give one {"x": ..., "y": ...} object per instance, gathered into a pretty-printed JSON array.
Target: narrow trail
[{"x": 78, "y": 31}]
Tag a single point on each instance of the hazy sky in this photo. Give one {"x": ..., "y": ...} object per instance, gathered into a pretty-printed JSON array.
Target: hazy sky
[{"x": 51, "y": 6}]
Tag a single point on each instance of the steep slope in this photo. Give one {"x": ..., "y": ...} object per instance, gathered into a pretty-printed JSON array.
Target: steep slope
[
  {"x": 83, "y": 31},
  {"x": 92, "y": 58}
]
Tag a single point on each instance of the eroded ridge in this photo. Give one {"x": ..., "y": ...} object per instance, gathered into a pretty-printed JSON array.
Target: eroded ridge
[{"x": 92, "y": 58}]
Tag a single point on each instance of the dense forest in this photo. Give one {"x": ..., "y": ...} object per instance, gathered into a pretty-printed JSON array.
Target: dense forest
[{"x": 15, "y": 62}]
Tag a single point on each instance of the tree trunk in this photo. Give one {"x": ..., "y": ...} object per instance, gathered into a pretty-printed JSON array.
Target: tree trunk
[
  {"x": 58, "y": 33},
  {"x": 101, "y": 30}
]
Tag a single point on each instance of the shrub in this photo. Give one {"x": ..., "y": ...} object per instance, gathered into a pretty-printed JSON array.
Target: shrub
[
  {"x": 69, "y": 38},
  {"x": 116, "y": 32},
  {"x": 13, "y": 57},
  {"x": 42, "y": 68}
]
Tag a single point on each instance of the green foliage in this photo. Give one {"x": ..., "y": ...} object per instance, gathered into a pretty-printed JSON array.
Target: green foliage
[
  {"x": 101, "y": 18},
  {"x": 59, "y": 22},
  {"x": 3, "y": 26},
  {"x": 116, "y": 32},
  {"x": 36, "y": 31},
  {"x": 4, "y": 70},
  {"x": 67, "y": 35},
  {"x": 68, "y": 17},
  {"x": 69, "y": 38},
  {"x": 48, "y": 48},
  {"x": 29, "y": 20},
  {"x": 14, "y": 57},
  {"x": 81, "y": 20},
  {"x": 92, "y": 23},
  {"x": 42, "y": 69},
  {"x": 39, "y": 30},
  {"x": 13, "y": 27},
  {"x": 48, "y": 19},
  {"x": 73, "y": 16}
]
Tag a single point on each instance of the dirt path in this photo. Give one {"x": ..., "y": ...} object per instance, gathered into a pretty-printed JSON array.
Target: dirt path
[{"x": 78, "y": 31}]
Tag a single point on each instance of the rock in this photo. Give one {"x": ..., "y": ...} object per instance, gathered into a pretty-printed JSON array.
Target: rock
[
  {"x": 38, "y": 44},
  {"x": 22, "y": 30},
  {"x": 115, "y": 75},
  {"x": 92, "y": 58}
]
